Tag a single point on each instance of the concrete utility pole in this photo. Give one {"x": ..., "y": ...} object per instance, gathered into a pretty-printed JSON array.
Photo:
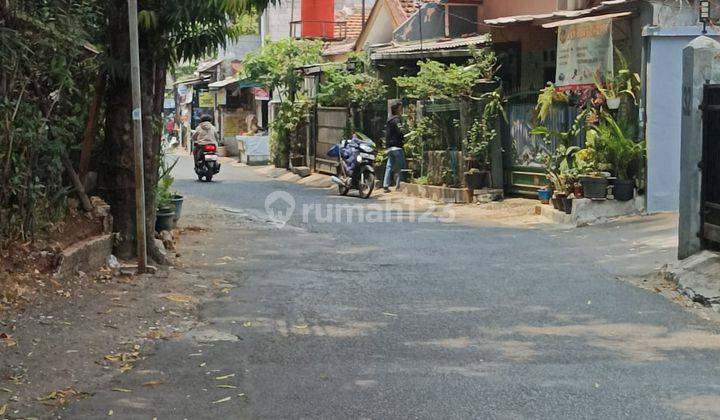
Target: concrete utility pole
[{"x": 141, "y": 235}]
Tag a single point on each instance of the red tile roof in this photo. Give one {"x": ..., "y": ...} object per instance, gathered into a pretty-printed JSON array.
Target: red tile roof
[
  {"x": 355, "y": 24},
  {"x": 353, "y": 21}
]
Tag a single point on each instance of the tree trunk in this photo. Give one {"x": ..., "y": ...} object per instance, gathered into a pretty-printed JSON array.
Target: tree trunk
[{"x": 118, "y": 178}]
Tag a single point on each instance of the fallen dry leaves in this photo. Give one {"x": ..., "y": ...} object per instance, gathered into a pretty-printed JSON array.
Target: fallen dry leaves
[
  {"x": 177, "y": 297},
  {"x": 153, "y": 383},
  {"x": 8, "y": 340},
  {"x": 125, "y": 359},
  {"x": 62, "y": 396}
]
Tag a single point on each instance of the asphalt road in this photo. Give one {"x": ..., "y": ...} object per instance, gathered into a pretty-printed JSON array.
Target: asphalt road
[{"x": 412, "y": 319}]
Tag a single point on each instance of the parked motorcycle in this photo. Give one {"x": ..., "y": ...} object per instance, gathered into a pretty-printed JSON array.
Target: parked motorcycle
[
  {"x": 355, "y": 166},
  {"x": 207, "y": 163}
]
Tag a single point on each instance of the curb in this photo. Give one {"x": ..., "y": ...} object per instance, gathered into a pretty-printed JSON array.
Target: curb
[{"x": 697, "y": 278}]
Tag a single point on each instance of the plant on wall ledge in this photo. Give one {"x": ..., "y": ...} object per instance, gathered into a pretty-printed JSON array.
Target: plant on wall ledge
[
  {"x": 358, "y": 86},
  {"x": 623, "y": 83},
  {"x": 548, "y": 97},
  {"x": 436, "y": 80},
  {"x": 343, "y": 88}
]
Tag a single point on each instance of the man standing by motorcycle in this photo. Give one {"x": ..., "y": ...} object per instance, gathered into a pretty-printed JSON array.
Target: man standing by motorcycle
[{"x": 394, "y": 142}]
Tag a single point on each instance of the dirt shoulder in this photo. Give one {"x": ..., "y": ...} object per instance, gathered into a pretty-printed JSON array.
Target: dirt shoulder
[{"x": 73, "y": 338}]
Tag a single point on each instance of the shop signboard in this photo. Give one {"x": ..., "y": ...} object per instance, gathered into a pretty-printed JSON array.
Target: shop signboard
[
  {"x": 584, "y": 54},
  {"x": 207, "y": 100},
  {"x": 261, "y": 94},
  {"x": 222, "y": 96}
]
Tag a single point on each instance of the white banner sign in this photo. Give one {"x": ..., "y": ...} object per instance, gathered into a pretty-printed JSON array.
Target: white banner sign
[{"x": 584, "y": 54}]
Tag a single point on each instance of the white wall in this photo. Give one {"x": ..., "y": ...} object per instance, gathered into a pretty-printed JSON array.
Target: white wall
[
  {"x": 275, "y": 21},
  {"x": 382, "y": 29},
  {"x": 664, "y": 107}
]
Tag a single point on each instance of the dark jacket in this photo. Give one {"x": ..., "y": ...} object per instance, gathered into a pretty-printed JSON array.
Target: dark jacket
[{"x": 393, "y": 135}]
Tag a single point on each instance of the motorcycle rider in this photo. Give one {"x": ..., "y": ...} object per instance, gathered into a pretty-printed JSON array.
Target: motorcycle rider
[{"x": 206, "y": 133}]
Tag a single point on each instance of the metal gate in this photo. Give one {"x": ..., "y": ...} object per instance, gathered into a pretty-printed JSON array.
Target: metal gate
[
  {"x": 710, "y": 166},
  {"x": 330, "y": 124}
]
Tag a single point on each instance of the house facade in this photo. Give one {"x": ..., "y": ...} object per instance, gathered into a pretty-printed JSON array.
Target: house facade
[{"x": 650, "y": 35}]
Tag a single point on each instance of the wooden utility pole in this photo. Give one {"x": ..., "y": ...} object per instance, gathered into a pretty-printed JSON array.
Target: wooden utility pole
[{"x": 141, "y": 234}]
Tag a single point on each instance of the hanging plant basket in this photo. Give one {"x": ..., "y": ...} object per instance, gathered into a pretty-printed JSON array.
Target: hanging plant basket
[{"x": 613, "y": 103}]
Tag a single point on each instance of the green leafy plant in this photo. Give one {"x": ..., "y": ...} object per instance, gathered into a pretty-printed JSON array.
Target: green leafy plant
[
  {"x": 483, "y": 130},
  {"x": 165, "y": 181},
  {"x": 358, "y": 88},
  {"x": 274, "y": 65},
  {"x": 548, "y": 97},
  {"x": 622, "y": 82},
  {"x": 46, "y": 86},
  {"x": 284, "y": 130},
  {"x": 622, "y": 152}
]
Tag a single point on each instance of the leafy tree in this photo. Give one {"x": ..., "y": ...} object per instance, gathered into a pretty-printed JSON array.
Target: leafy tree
[
  {"x": 44, "y": 74},
  {"x": 275, "y": 66},
  {"x": 455, "y": 82},
  {"x": 343, "y": 88},
  {"x": 437, "y": 80},
  {"x": 172, "y": 31}
]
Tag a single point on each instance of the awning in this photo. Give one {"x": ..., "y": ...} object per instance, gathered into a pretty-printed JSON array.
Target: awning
[
  {"x": 191, "y": 81},
  {"x": 453, "y": 47},
  {"x": 604, "y": 8},
  {"x": 244, "y": 83},
  {"x": 223, "y": 83},
  {"x": 585, "y": 20},
  {"x": 204, "y": 67}
]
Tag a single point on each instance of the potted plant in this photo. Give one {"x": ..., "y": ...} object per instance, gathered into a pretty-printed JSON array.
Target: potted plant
[
  {"x": 177, "y": 201},
  {"x": 165, "y": 212},
  {"x": 296, "y": 160},
  {"x": 545, "y": 194},
  {"x": 558, "y": 168},
  {"x": 624, "y": 153},
  {"x": 622, "y": 83},
  {"x": 593, "y": 182},
  {"x": 166, "y": 209}
]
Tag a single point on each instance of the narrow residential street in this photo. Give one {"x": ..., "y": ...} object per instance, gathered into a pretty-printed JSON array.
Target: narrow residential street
[{"x": 409, "y": 320}]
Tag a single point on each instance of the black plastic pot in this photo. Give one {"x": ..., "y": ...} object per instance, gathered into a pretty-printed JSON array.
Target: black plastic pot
[
  {"x": 561, "y": 198},
  {"x": 594, "y": 187},
  {"x": 624, "y": 189},
  {"x": 554, "y": 202},
  {"x": 473, "y": 179},
  {"x": 568, "y": 204},
  {"x": 164, "y": 220}
]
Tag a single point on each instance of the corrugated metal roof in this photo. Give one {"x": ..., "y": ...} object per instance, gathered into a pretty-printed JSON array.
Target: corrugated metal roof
[
  {"x": 209, "y": 65},
  {"x": 223, "y": 83},
  {"x": 604, "y": 7},
  {"x": 585, "y": 19},
  {"x": 435, "y": 44}
]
